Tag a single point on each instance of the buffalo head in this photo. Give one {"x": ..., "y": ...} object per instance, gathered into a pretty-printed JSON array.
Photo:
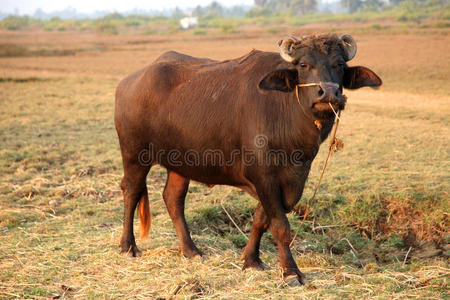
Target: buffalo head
[{"x": 320, "y": 59}]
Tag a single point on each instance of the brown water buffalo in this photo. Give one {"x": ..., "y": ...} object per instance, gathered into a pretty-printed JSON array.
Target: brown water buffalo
[{"x": 237, "y": 122}]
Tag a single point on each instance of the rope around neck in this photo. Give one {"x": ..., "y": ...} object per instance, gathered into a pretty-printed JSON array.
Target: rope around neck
[{"x": 333, "y": 146}]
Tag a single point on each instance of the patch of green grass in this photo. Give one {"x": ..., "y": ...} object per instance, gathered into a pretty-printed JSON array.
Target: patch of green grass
[
  {"x": 150, "y": 32},
  {"x": 194, "y": 189},
  {"x": 376, "y": 26},
  {"x": 208, "y": 215},
  {"x": 107, "y": 28},
  {"x": 442, "y": 24},
  {"x": 395, "y": 241},
  {"x": 7, "y": 50},
  {"x": 228, "y": 28},
  {"x": 238, "y": 240},
  {"x": 199, "y": 31},
  {"x": 273, "y": 30},
  {"x": 38, "y": 291},
  {"x": 12, "y": 50},
  {"x": 15, "y": 22}
]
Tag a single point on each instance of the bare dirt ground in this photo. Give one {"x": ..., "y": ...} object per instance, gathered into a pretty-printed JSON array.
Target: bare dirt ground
[{"x": 61, "y": 206}]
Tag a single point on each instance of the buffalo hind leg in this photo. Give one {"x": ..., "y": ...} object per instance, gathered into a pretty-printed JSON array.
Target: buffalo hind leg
[
  {"x": 174, "y": 196},
  {"x": 251, "y": 251},
  {"x": 134, "y": 190}
]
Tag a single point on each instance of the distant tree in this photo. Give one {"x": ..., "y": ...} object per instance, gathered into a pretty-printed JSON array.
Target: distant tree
[
  {"x": 39, "y": 14},
  {"x": 373, "y": 5},
  {"x": 261, "y": 3},
  {"x": 395, "y": 2},
  {"x": 215, "y": 9},
  {"x": 301, "y": 7},
  {"x": 236, "y": 11},
  {"x": 15, "y": 22},
  {"x": 55, "y": 19},
  {"x": 297, "y": 7},
  {"x": 352, "y": 5},
  {"x": 198, "y": 11},
  {"x": 113, "y": 16},
  {"x": 258, "y": 12},
  {"x": 177, "y": 13}
]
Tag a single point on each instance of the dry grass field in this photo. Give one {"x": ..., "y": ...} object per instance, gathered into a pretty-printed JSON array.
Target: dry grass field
[{"x": 379, "y": 227}]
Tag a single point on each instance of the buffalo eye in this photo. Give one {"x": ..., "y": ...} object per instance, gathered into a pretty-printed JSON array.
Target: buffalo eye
[
  {"x": 338, "y": 65},
  {"x": 303, "y": 65}
]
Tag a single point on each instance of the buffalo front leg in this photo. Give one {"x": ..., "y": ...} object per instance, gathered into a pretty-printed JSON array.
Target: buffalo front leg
[
  {"x": 279, "y": 225},
  {"x": 174, "y": 196},
  {"x": 134, "y": 190},
  {"x": 251, "y": 251}
]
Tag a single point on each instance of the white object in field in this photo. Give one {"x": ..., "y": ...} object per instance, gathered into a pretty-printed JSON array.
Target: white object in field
[{"x": 189, "y": 22}]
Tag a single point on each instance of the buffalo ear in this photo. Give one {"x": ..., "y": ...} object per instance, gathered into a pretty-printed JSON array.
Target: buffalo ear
[
  {"x": 357, "y": 77},
  {"x": 281, "y": 80}
]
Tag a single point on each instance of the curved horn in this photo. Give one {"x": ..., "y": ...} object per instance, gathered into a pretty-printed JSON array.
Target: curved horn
[
  {"x": 286, "y": 48},
  {"x": 349, "y": 45}
]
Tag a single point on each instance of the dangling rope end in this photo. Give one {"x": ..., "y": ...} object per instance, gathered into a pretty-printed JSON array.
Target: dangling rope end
[
  {"x": 334, "y": 146},
  {"x": 335, "y": 143}
]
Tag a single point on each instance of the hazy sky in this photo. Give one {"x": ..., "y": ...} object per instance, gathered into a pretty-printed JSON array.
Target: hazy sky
[{"x": 87, "y": 6}]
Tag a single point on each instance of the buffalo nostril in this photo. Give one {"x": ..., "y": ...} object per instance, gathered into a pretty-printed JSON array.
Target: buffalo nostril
[
  {"x": 321, "y": 92},
  {"x": 336, "y": 94}
]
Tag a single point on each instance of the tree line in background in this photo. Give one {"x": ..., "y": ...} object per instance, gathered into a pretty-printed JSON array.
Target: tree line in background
[
  {"x": 302, "y": 7},
  {"x": 261, "y": 7},
  {"x": 215, "y": 15}
]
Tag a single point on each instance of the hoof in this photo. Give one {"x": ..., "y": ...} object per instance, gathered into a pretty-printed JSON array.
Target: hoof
[
  {"x": 295, "y": 279},
  {"x": 256, "y": 264},
  {"x": 191, "y": 253},
  {"x": 132, "y": 251}
]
